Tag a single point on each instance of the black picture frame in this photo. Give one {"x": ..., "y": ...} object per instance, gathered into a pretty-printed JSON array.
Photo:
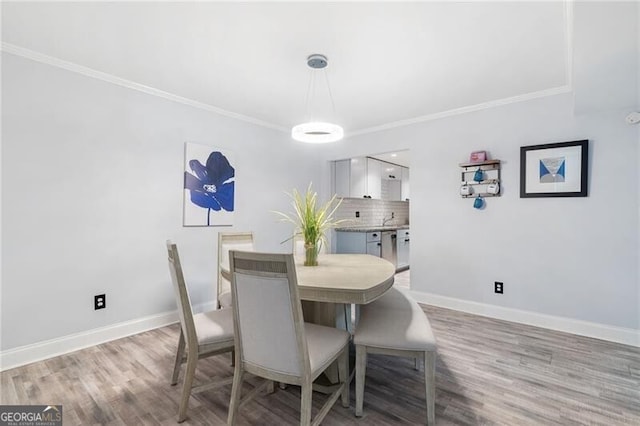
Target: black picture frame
[{"x": 554, "y": 169}]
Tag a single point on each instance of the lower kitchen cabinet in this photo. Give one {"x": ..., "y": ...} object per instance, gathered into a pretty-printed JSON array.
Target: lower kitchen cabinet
[
  {"x": 403, "y": 248},
  {"x": 371, "y": 243},
  {"x": 358, "y": 242}
]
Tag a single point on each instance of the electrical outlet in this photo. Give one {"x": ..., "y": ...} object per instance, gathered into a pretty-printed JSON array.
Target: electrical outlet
[
  {"x": 357, "y": 214},
  {"x": 99, "y": 301},
  {"x": 393, "y": 215},
  {"x": 498, "y": 287}
]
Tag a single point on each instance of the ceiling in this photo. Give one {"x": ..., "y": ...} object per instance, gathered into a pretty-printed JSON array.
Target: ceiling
[{"x": 389, "y": 63}]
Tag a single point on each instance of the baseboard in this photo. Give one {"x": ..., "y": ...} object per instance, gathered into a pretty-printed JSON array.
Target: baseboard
[
  {"x": 627, "y": 336},
  {"x": 39, "y": 351}
]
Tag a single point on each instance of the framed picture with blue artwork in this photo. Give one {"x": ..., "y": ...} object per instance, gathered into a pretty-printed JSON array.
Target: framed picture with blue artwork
[
  {"x": 209, "y": 186},
  {"x": 554, "y": 170}
]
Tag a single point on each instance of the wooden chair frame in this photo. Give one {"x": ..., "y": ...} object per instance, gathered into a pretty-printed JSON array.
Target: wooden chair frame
[
  {"x": 228, "y": 237},
  {"x": 305, "y": 380},
  {"x": 189, "y": 350}
]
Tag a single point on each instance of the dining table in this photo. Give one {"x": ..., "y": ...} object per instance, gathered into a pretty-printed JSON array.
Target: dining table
[
  {"x": 340, "y": 279},
  {"x": 328, "y": 290}
]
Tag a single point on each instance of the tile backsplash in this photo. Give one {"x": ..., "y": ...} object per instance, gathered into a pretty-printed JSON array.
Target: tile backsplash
[{"x": 372, "y": 212}]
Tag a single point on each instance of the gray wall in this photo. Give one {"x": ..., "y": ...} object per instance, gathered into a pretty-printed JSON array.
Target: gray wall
[{"x": 92, "y": 188}]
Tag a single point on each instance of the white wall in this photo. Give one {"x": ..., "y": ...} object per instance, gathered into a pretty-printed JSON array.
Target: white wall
[
  {"x": 568, "y": 257},
  {"x": 92, "y": 187},
  {"x": 575, "y": 258}
]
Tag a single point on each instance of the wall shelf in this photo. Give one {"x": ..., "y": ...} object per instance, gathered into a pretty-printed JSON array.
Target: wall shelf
[
  {"x": 489, "y": 164},
  {"x": 491, "y": 172}
]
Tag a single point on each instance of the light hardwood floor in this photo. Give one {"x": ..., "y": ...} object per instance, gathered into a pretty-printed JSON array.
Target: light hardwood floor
[{"x": 488, "y": 372}]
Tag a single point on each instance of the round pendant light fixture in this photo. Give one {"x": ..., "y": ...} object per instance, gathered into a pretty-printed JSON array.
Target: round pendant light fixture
[{"x": 317, "y": 131}]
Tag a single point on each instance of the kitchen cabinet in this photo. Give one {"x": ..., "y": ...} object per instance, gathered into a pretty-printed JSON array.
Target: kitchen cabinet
[
  {"x": 350, "y": 177},
  {"x": 404, "y": 187},
  {"x": 391, "y": 182},
  {"x": 374, "y": 178},
  {"x": 364, "y": 177},
  {"x": 358, "y": 242},
  {"x": 403, "y": 248}
]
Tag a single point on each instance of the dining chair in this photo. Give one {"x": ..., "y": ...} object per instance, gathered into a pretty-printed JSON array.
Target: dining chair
[
  {"x": 272, "y": 339},
  {"x": 229, "y": 241},
  {"x": 201, "y": 335}
]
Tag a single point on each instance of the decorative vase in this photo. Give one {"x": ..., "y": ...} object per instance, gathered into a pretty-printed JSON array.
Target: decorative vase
[{"x": 310, "y": 254}]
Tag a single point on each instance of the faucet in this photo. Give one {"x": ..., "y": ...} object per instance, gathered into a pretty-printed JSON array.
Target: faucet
[{"x": 388, "y": 219}]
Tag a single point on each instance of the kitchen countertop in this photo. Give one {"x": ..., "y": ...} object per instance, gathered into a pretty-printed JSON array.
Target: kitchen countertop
[{"x": 371, "y": 228}]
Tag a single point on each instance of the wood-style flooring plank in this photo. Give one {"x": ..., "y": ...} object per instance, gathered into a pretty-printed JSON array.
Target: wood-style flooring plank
[{"x": 488, "y": 372}]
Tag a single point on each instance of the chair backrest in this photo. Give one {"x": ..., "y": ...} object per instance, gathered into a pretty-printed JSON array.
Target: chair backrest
[
  {"x": 182, "y": 295},
  {"x": 230, "y": 241},
  {"x": 269, "y": 326}
]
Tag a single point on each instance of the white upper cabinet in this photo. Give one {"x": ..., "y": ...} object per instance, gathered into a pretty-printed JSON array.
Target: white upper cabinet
[
  {"x": 391, "y": 181},
  {"x": 358, "y": 186},
  {"x": 405, "y": 184},
  {"x": 341, "y": 178},
  {"x": 370, "y": 178},
  {"x": 374, "y": 178},
  {"x": 350, "y": 177}
]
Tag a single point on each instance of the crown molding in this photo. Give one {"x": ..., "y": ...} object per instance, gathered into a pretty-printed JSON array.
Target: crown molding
[
  {"x": 70, "y": 66},
  {"x": 464, "y": 110},
  {"x": 109, "y": 78}
]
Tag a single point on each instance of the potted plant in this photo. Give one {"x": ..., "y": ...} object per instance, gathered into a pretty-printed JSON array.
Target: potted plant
[{"x": 311, "y": 221}]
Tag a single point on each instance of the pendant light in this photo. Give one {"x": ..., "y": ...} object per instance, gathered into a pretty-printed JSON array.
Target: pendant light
[{"x": 317, "y": 131}]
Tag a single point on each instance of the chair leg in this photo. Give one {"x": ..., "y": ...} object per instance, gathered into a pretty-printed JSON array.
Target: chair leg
[
  {"x": 271, "y": 388},
  {"x": 305, "y": 403},
  {"x": 179, "y": 355},
  {"x": 430, "y": 384},
  {"x": 190, "y": 372},
  {"x": 236, "y": 393},
  {"x": 361, "y": 367},
  {"x": 343, "y": 374}
]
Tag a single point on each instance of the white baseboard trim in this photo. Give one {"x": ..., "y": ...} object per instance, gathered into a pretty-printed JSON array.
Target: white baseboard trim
[
  {"x": 39, "y": 351},
  {"x": 627, "y": 336}
]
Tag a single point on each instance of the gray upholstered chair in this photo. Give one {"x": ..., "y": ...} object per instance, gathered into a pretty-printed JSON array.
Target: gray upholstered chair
[
  {"x": 201, "y": 335},
  {"x": 395, "y": 325},
  {"x": 229, "y": 241},
  {"x": 272, "y": 339}
]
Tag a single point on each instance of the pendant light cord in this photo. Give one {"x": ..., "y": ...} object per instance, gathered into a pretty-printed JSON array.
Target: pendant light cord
[
  {"x": 307, "y": 100},
  {"x": 333, "y": 106}
]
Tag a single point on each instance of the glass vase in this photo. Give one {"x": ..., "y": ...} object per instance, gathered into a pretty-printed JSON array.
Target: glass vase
[{"x": 310, "y": 254}]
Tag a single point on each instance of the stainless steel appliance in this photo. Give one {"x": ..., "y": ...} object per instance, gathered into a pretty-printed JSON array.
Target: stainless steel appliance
[{"x": 389, "y": 247}]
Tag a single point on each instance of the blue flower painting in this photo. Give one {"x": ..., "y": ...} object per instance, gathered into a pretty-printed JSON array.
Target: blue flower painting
[{"x": 209, "y": 183}]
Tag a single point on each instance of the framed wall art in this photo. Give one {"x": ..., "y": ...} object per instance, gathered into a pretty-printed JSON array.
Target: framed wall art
[
  {"x": 209, "y": 186},
  {"x": 554, "y": 170}
]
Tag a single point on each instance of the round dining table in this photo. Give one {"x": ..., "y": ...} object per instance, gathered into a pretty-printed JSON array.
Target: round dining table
[
  {"x": 328, "y": 290},
  {"x": 344, "y": 278}
]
